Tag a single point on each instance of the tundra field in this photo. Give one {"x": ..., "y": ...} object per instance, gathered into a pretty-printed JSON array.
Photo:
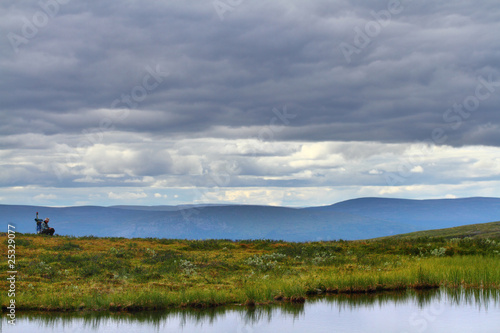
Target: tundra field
[{"x": 62, "y": 273}]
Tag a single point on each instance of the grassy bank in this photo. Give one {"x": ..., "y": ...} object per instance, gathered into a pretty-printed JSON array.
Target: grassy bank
[
  {"x": 481, "y": 230},
  {"x": 88, "y": 273}
]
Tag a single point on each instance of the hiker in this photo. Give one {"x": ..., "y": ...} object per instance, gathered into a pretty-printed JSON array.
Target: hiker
[{"x": 45, "y": 228}]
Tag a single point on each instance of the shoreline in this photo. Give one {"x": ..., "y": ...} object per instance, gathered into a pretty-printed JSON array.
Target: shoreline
[{"x": 132, "y": 309}]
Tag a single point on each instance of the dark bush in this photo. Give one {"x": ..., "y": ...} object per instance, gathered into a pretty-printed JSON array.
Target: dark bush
[{"x": 69, "y": 246}]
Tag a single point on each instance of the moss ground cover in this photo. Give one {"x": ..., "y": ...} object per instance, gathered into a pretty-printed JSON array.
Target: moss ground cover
[{"x": 89, "y": 273}]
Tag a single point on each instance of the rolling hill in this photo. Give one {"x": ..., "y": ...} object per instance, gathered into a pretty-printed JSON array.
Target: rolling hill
[
  {"x": 353, "y": 219},
  {"x": 423, "y": 214}
]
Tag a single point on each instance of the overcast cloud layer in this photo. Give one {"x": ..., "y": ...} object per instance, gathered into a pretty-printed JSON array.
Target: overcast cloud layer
[{"x": 271, "y": 102}]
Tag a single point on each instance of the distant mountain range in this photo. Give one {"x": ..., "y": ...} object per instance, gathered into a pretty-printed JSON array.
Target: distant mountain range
[{"x": 353, "y": 219}]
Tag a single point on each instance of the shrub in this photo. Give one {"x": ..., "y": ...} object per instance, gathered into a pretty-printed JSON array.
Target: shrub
[
  {"x": 161, "y": 256},
  {"x": 265, "y": 262},
  {"x": 90, "y": 270},
  {"x": 438, "y": 252},
  {"x": 42, "y": 269},
  {"x": 208, "y": 244},
  {"x": 69, "y": 246},
  {"x": 188, "y": 267}
]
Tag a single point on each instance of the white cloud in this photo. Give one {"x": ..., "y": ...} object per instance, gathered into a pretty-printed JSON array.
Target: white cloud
[
  {"x": 417, "y": 169},
  {"x": 127, "y": 195},
  {"x": 273, "y": 197},
  {"x": 142, "y": 167},
  {"x": 41, "y": 197},
  {"x": 390, "y": 190}
]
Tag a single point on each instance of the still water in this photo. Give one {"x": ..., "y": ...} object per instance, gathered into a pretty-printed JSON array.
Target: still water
[{"x": 430, "y": 311}]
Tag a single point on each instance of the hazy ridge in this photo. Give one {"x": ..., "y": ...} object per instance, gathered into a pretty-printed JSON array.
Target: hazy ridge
[{"x": 352, "y": 219}]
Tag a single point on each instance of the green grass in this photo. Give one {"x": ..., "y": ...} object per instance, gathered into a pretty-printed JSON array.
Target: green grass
[
  {"x": 482, "y": 230},
  {"x": 89, "y": 273}
]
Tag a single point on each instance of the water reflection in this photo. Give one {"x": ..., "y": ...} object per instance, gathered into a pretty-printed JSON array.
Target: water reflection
[
  {"x": 419, "y": 311},
  {"x": 422, "y": 298}
]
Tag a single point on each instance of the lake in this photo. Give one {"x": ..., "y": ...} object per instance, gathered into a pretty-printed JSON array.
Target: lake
[{"x": 438, "y": 310}]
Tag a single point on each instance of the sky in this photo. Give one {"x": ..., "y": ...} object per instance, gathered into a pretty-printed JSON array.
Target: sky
[{"x": 285, "y": 102}]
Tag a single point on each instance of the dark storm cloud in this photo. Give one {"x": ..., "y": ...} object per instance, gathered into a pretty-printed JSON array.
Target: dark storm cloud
[{"x": 230, "y": 74}]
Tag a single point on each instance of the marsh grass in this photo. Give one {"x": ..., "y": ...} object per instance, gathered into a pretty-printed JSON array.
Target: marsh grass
[{"x": 117, "y": 274}]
